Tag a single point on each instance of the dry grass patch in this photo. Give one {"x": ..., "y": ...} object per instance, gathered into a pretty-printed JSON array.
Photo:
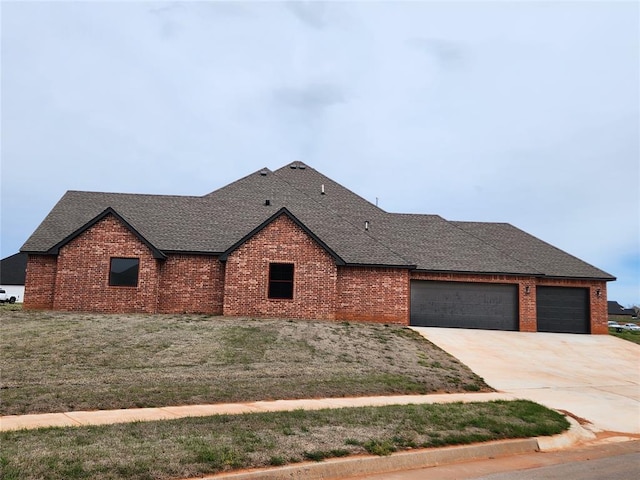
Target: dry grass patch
[
  {"x": 198, "y": 446},
  {"x": 56, "y": 362}
]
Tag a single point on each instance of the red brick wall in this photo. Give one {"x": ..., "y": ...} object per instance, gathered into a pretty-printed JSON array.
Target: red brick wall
[
  {"x": 598, "y": 306},
  {"x": 247, "y": 275},
  {"x": 373, "y": 294},
  {"x": 40, "y": 282},
  {"x": 191, "y": 284},
  {"x": 527, "y": 301},
  {"x": 82, "y": 279}
]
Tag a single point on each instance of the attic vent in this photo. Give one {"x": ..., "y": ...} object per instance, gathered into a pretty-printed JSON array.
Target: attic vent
[
  {"x": 293, "y": 166},
  {"x": 263, "y": 172},
  {"x": 322, "y": 189},
  {"x": 267, "y": 202},
  {"x": 302, "y": 166}
]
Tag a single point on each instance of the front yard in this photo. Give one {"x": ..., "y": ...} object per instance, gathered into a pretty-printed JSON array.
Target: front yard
[{"x": 56, "y": 362}]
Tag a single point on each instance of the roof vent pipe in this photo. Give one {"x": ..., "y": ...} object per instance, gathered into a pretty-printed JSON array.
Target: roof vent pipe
[
  {"x": 267, "y": 202},
  {"x": 366, "y": 225},
  {"x": 322, "y": 189}
]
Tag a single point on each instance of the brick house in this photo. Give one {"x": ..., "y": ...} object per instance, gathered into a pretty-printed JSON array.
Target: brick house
[{"x": 293, "y": 243}]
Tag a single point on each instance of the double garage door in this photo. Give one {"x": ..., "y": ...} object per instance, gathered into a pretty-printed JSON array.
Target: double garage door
[
  {"x": 491, "y": 306},
  {"x": 487, "y": 306}
]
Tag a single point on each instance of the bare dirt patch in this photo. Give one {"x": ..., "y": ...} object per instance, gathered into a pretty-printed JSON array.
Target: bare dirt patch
[{"x": 56, "y": 362}]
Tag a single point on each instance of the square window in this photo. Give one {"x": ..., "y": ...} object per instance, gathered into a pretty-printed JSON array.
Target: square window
[
  {"x": 124, "y": 272},
  {"x": 281, "y": 280}
]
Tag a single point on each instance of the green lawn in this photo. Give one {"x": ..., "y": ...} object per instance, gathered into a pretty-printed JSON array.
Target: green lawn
[
  {"x": 626, "y": 335},
  {"x": 193, "y": 447}
]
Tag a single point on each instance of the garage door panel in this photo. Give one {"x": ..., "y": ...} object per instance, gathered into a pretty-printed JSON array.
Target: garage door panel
[
  {"x": 464, "y": 305},
  {"x": 563, "y": 309}
]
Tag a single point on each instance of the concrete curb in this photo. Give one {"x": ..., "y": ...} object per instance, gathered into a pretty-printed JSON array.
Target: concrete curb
[
  {"x": 576, "y": 434},
  {"x": 370, "y": 465},
  {"x": 329, "y": 469}
]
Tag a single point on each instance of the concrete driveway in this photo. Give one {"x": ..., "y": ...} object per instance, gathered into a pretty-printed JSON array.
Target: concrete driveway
[{"x": 596, "y": 377}]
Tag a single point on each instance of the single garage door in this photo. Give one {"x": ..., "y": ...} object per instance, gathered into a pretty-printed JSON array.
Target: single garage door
[
  {"x": 487, "y": 306},
  {"x": 563, "y": 310}
]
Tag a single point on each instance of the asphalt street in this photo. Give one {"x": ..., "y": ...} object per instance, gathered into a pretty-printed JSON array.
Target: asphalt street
[
  {"x": 618, "y": 467},
  {"x": 609, "y": 460}
]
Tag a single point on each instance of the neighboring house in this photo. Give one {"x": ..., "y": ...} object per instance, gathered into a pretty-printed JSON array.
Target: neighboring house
[
  {"x": 293, "y": 243},
  {"x": 615, "y": 309},
  {"x": 12, "y": 275}
]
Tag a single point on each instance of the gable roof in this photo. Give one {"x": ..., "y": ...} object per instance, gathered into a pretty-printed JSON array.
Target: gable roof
[
  {"x": 614, "y": 308},
  {"x": 282, "y": 212},
  {"x": 334, "y": 216},
  {"x": 106, "y": 212}
]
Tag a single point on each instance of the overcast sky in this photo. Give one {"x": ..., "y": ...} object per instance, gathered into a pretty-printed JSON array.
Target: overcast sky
[{"x": 518, "y": 112}]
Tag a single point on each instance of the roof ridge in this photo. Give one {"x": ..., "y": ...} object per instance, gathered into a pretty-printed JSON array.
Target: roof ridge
[
  {"x": 385, "y": 213},
  {"x": 122, "y": 194},
  {"x": 157, "y": 253},
  {"x": 306, "y": 166},
  {"x": 416, "y": 215},
  {"x": 259, "y": 171}
]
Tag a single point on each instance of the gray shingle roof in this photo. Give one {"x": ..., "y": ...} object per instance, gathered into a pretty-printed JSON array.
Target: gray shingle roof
[
  {"x": 532, "y": 251},
  {"x": 432, "y": 243},
  {"x": 13, "y": 269},
  {"x": 614, "y": 308},
  {"x": 213, "y": 223}
]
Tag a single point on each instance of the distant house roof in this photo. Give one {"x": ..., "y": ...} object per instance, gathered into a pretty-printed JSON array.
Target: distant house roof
[
  {"x": 13, "y": 269},
  {"x": 216, "y": 222},
  {"x": 614, "y": 308}
]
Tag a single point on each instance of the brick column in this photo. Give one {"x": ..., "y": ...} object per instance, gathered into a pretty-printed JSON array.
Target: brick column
[
  {"x": 528, "y": 311},
  {"x": 598, "y": 307}
]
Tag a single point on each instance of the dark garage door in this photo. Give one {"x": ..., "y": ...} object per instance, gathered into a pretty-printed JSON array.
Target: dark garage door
[
  {"x": 464, "y": 305},
  {"x": 563, "y": 310}
]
